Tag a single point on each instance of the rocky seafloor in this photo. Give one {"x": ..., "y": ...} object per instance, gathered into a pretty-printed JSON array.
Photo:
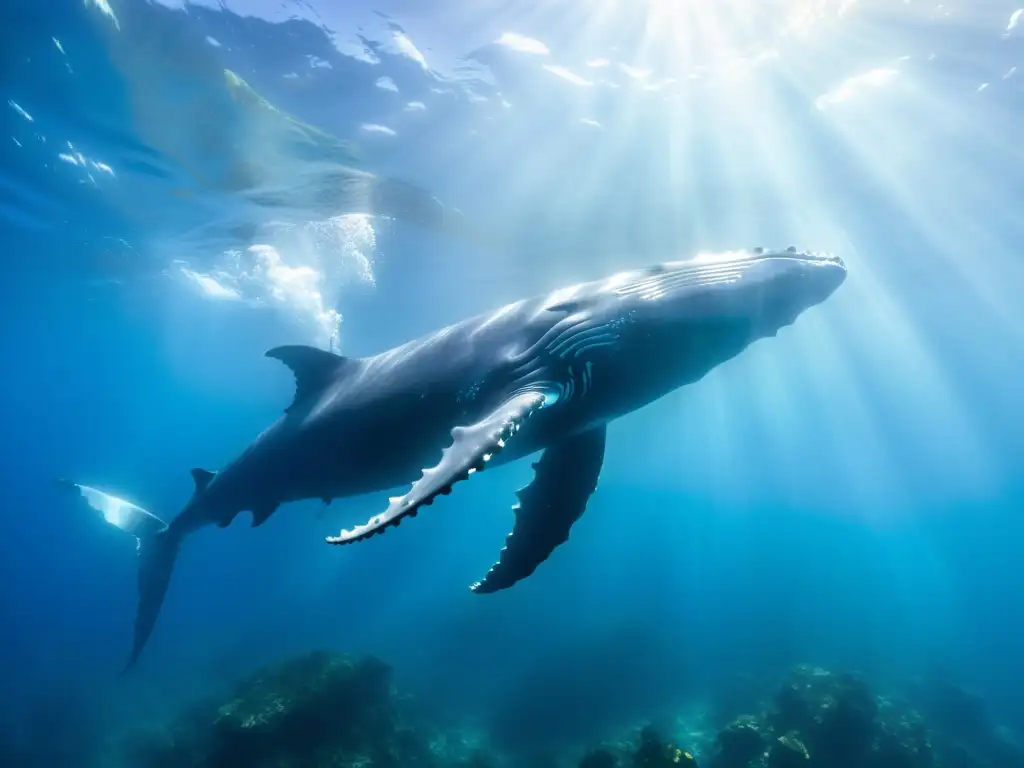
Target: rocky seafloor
[{"x": 331, "y": 710}]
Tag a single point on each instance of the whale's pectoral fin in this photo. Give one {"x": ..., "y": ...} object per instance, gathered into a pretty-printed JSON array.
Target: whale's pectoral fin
[
  {"x": 565, "y": 478},
  {"x": 472, "y": 447}
]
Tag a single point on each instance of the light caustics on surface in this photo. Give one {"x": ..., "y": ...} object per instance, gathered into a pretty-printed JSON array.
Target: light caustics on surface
[
  {"x": 671, "y": 40},
  {"x": 868, "y": 109},
  {"x": 233, "y": 143}
]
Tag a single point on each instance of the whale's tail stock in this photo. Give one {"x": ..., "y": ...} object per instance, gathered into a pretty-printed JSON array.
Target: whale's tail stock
[{"x": 157, "y": 545}]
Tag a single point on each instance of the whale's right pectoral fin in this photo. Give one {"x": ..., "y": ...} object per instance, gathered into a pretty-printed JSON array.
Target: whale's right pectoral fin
[
  {"x": 472, "y": 447},
  {"x": 565, "y": 478}
]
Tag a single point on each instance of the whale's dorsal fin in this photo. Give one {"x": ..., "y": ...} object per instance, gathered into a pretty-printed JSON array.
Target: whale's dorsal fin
[
  {"x": 202, "y": 478},
  {"x": 313, "y": 368}
]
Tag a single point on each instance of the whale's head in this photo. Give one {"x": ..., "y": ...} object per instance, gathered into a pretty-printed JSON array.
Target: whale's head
[
  {"x": 756, "y": 292},
  {"x": 652, "y": 330}
]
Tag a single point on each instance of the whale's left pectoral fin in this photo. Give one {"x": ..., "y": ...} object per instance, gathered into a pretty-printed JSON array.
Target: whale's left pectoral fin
[
  {"x": 566, "y": 476},
  {"x": 472, "y": 447}
]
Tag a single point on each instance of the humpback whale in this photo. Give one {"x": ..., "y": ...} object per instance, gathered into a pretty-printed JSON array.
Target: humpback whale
[{"x": 539, "y": 375}]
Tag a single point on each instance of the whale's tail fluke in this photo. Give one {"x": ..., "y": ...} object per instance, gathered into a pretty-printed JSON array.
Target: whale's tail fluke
[
  {"x": 157, "y": 554},
  {"x": 157, "y": 548},
  {"x": 118, "y": 512}
]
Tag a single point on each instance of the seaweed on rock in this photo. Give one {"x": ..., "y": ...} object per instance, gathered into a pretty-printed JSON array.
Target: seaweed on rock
[
  {"x": 819, "y": 719},
  {"x": 788, "y": 752},
  {"x": 654, "y": 751},
  {"x": 738, "y": 743},
  {"x": 328, "y": 710},
  {"x": 320, "y": 703},
  {"x": 321, "y": 709}
]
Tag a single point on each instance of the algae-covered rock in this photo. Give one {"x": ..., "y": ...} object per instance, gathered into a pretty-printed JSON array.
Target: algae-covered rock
[
  {"x": 833, "y": 715},
  {"x": 653, "y": 751},
  {"x": 315, "y": 704},
  {"x": 325, "y": 710},
  {"x": 843, "y": 726},
  {"x": 788, "y": 752},
  {"x": 320, "y": 709},
  {"x": 962, "y": 726},
  {"x": 738, "y": 743},
  {"x": 901, "y": 739},
  {"x": 825, "y": 720}
]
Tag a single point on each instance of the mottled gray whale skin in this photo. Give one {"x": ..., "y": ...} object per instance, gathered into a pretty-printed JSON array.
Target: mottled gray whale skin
[{"x": 545, "y": 374}]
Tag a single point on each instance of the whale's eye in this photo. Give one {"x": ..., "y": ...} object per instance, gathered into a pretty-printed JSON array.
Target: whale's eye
[
  {"x": 758, "y": 251},
  {"x": 791, "y": 249}
]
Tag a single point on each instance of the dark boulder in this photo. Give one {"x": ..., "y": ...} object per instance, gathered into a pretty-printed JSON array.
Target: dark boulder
[
  {"x": 788, "y": 752},
  {"x": 738, "y": 744},
  {"x": 318, "y": 709},
  {"x": 599, "y": 758}
]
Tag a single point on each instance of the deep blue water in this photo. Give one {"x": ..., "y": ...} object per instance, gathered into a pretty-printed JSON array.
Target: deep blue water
[{"x": 848, "y": 493}]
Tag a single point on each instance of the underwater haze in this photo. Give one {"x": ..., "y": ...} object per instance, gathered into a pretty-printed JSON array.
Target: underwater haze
[{"x": 186, "y": 185}]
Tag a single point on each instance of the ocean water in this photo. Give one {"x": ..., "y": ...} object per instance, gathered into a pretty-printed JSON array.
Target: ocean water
[{"x": 186, "y": 185}]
